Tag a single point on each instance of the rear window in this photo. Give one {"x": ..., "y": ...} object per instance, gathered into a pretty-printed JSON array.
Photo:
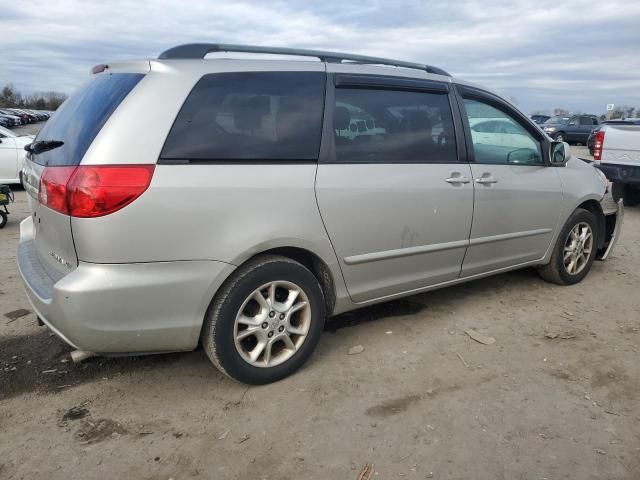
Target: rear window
[
  {"x": 80, "y": 118},
  {"x": 250, "y": 116}
]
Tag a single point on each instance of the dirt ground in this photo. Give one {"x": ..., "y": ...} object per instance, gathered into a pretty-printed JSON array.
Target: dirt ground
[{"x": 555, "y": 397}]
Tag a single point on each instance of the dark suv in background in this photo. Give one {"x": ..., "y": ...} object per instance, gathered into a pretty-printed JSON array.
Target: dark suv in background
[{"x": 574, "y": 129}]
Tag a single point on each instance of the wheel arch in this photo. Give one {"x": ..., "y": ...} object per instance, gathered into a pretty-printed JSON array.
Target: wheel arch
[
  {"x": 316, "y": 265},
  {"x": 326, "y": 272}
]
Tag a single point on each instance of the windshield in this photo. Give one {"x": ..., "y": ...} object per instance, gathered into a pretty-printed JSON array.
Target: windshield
[
  {"x": 80, "y": 118},
  {"x": 6, "y": 133},
  {"x": 557, "y": 120}
]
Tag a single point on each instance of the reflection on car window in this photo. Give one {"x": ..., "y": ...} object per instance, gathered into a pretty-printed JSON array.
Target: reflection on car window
[
  {"x": 498, "y": 138},
  {"x": 389, "y": 126}
]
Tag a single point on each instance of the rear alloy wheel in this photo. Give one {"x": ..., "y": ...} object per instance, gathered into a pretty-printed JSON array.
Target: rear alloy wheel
[
  {"x": 265, "y": 321},
  {"x": 272, "y": 324},
  {"x": 574, "y": 252}
]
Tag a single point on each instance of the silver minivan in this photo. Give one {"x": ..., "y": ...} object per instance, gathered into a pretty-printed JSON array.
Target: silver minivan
[{"x": 237, "y": 203}]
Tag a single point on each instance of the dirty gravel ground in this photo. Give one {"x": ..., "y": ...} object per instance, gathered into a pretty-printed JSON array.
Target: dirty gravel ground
[{"x": 422, "y": 400}]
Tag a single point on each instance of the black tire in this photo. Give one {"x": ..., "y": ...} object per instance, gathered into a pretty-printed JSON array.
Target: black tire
[
  {"x": 629, "y": 193},
  {"x": 560, "y": 137},
  {"x": 3, "y": 219},
  {"x": 555, "y": 271},
  {"x": 218, "y": 330}
]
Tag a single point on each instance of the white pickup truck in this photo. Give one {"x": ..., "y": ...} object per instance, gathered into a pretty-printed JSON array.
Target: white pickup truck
[{"x": 617, "y": 153}]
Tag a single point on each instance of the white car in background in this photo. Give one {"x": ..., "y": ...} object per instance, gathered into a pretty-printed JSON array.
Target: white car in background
[
  {"x": 617, "y": 153},
  {"x": 12, "y": 155},
  {"x": 498, "y": 131}
]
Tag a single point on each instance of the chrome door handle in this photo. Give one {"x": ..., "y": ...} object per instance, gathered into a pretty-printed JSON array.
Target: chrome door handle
[
  {"x": 486, "y": 180},
  {"x": 455, "y": 180}
]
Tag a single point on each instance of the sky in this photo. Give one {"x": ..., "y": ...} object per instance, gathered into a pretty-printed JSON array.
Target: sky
[{"x": 572, "y": 54}]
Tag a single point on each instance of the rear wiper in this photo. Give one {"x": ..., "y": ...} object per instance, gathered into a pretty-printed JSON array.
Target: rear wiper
[{"x": 43, "y": 146}]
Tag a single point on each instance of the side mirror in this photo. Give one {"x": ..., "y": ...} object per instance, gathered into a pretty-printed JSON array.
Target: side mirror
[{"x": 560, "y": 154}]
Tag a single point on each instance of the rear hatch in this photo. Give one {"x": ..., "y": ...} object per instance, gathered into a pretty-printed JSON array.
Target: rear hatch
[{"x": 55, "y": 153}]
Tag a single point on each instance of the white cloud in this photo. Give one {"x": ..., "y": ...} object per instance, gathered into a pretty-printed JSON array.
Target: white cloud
[{"x": 580, "y": 53}]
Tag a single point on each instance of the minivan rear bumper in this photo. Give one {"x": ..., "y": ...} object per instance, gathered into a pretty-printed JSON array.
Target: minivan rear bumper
[{"x": 122, "y": 308}]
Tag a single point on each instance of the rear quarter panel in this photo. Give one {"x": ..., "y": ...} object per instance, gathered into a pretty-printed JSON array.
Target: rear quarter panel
[
  {"x": 209, "y": 212},
  {"x": 222, "y": 212}
]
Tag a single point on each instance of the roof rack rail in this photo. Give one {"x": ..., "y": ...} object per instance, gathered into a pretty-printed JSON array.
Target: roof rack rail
[{"x": 200, "y": 50}]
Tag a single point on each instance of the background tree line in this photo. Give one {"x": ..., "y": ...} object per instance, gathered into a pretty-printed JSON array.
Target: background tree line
[
  {"x": 619, "y": 111},
  {"x": 10, "y": 97}
]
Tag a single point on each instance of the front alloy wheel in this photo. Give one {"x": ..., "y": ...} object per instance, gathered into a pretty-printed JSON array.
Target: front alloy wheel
[
  {"x": 574, "y": 251},
  {"x": 577, "y": 248}
]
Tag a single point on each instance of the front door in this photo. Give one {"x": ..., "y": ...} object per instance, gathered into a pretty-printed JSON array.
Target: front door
[
  {"x": 396, "y": 202},
  {"x": 516, "y": 194}
]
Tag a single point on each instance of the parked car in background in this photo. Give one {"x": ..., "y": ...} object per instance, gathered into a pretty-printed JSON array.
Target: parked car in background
[
  {"x": 498, "y": 131},
  {"x": 20, "y": 116},
  {"x": 592, "y": 137},
  {"x": 12, "y": 155},
  {"x": 39, "y": 115},
  {"x": 549, "y": 126},
  {"x": 15, "y": 121},
  {"x": 539, "y": 119},
  {"x": 285, "y": 214},
  {"x": 576, "y": 129},
  {"x": 25, "y": 116},
  {"x": 617, "y": 153}
]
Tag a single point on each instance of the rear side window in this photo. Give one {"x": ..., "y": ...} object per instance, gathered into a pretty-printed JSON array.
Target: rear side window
[
  {"x": 250, "y": 116},
  {"x": 587, "y": 121},
  {"x": 80, "y": 118},
  {"x": 393, "y": 126}
]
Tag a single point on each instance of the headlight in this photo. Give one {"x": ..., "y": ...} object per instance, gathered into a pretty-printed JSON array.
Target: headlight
[{"x": 549, "y": 129}]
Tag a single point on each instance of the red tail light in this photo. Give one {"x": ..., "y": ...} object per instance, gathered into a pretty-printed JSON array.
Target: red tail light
[
  {"x": 53, "y": 188},
  {"x": 597, "y": 146},
  {"x": 89, "y": 191}
]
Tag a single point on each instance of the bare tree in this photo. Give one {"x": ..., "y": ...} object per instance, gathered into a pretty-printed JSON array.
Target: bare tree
[{"x": 10, "y": 97}]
